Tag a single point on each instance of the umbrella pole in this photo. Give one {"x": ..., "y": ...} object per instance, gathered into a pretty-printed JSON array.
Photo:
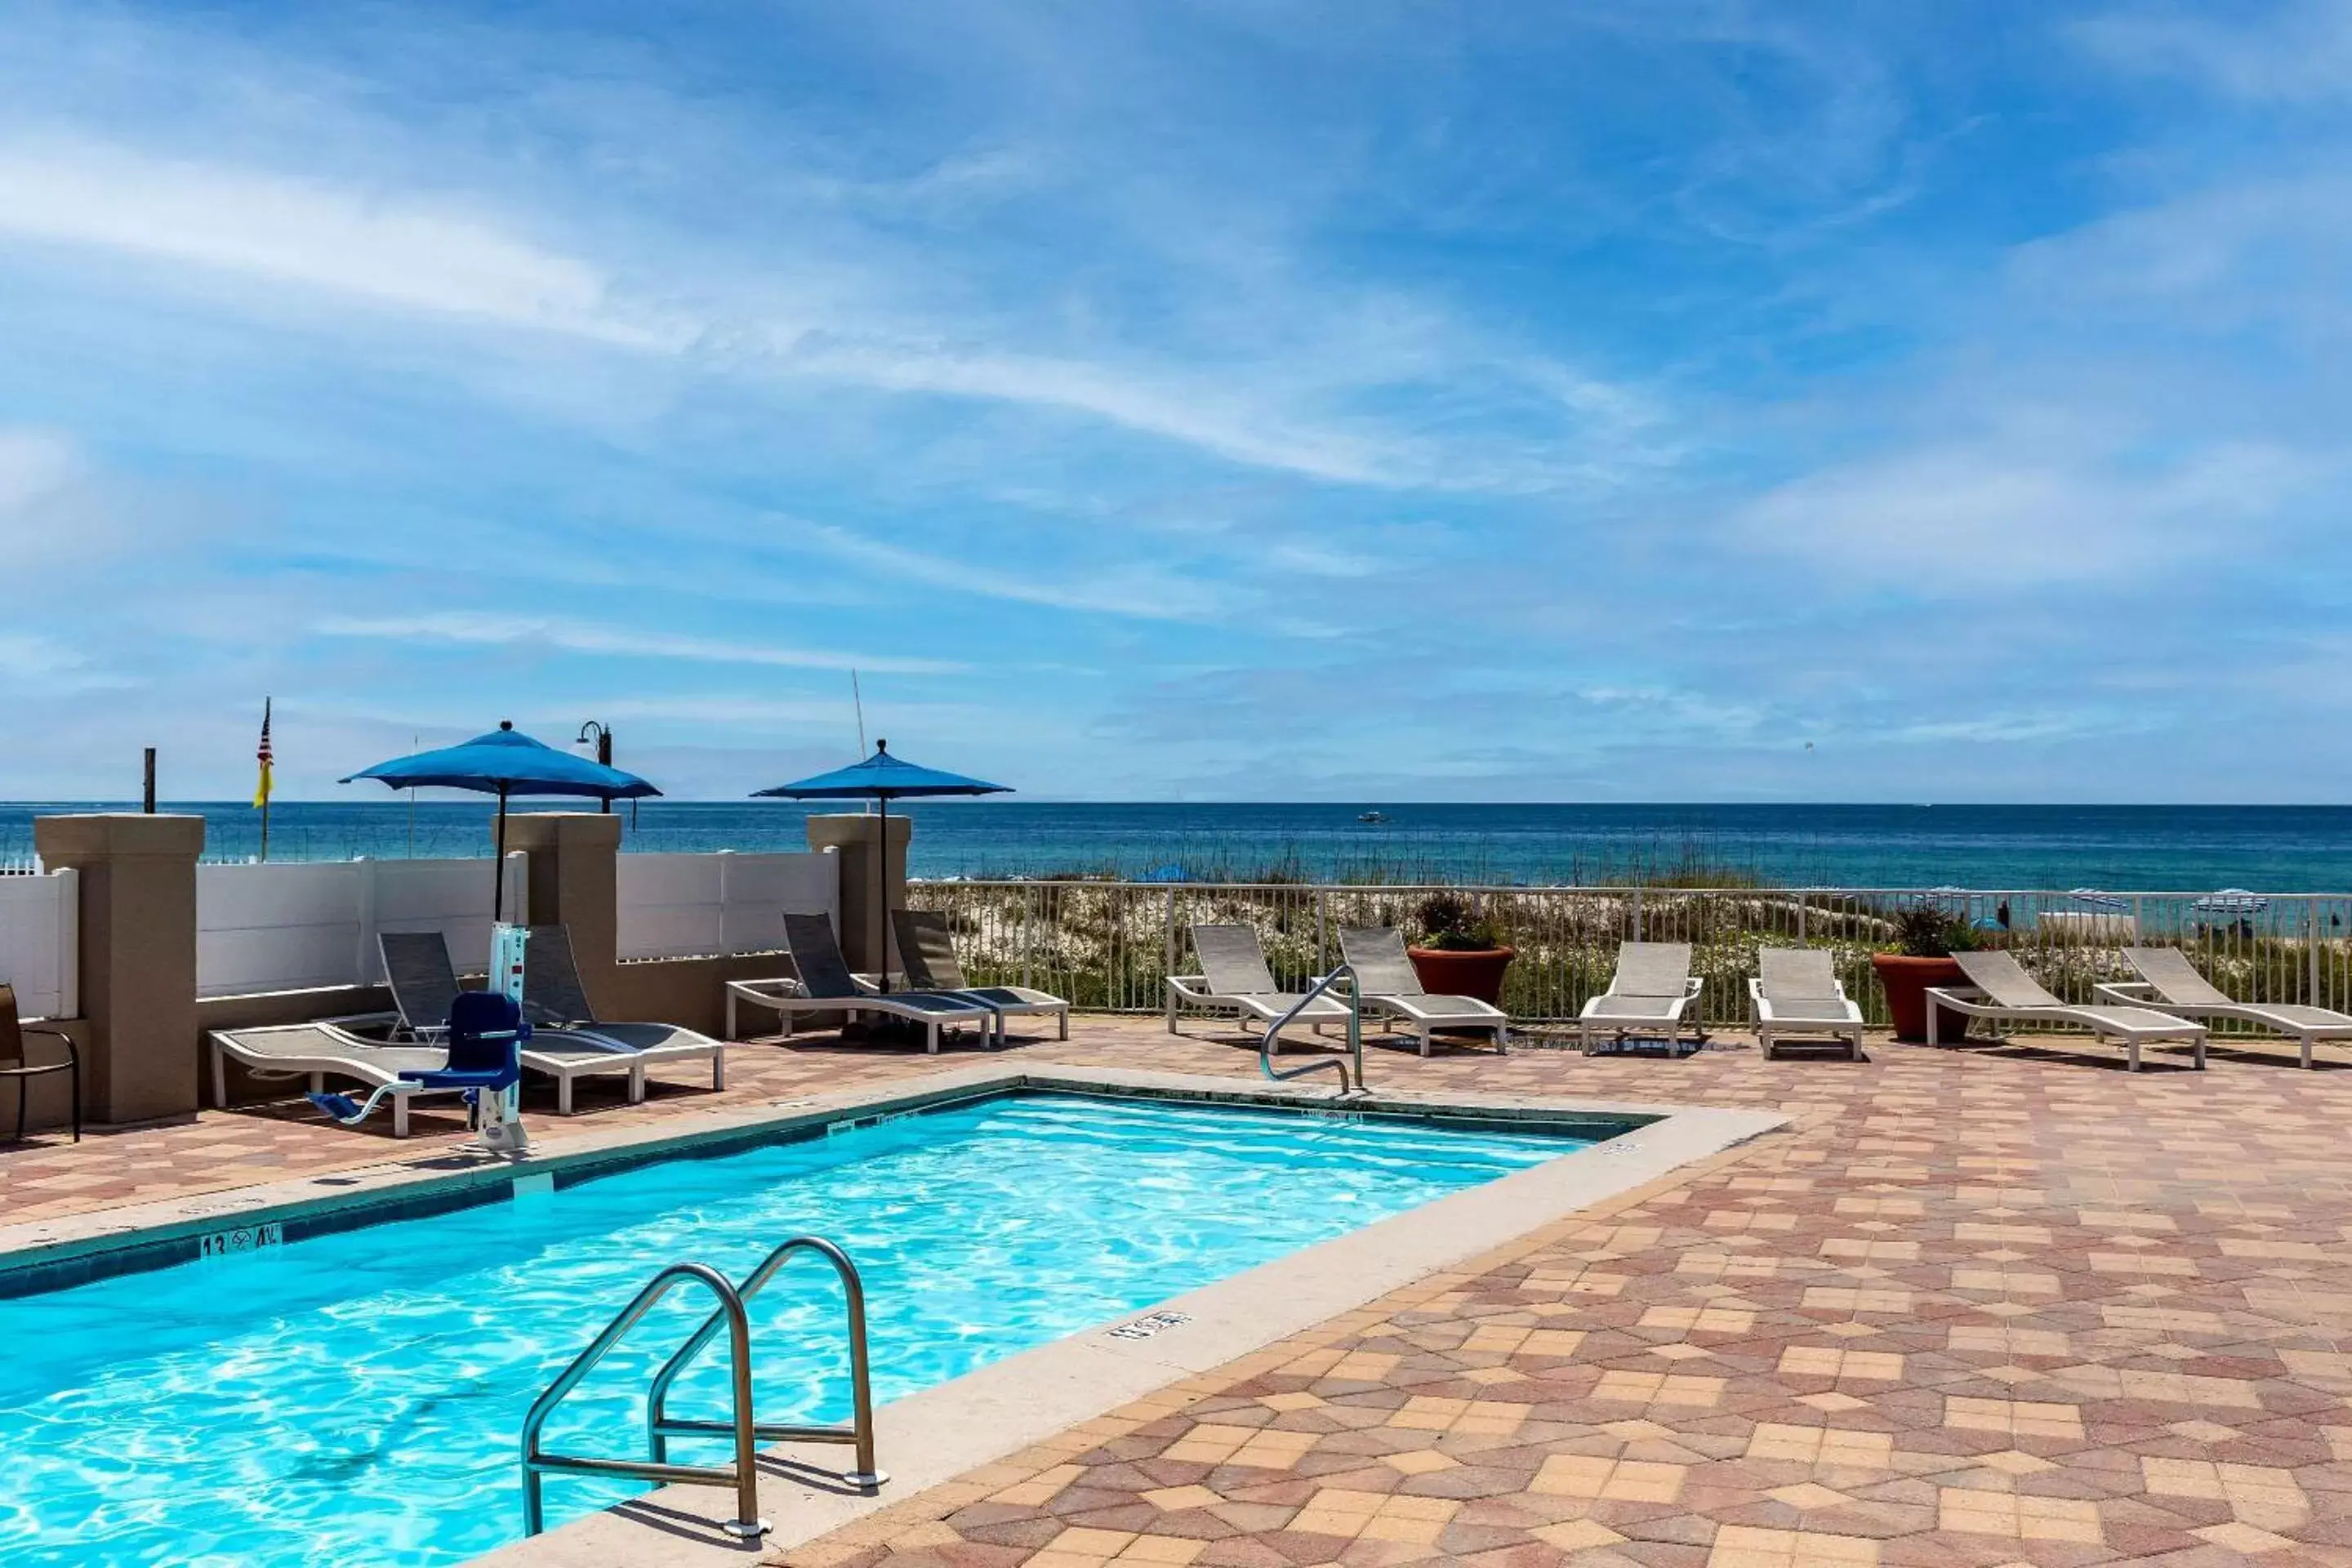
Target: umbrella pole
[
  {"x": 499, "y": 881},
  {"x": 882, "y": 894}
]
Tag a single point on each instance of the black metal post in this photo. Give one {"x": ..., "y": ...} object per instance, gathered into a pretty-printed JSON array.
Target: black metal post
[
  {"x": 882, "y": 892},
  {"x": 147, "y": 795},
  {"x": 498, "y": 887}
]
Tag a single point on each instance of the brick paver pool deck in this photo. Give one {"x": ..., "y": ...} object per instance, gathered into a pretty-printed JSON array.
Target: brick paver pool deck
[{"x": 1971, "y": 1308}]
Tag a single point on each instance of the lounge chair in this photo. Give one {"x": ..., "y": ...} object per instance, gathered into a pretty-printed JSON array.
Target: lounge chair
[
  {"x": 927, "y": 951},
  {"x": 1796, "y": 993},
  {"x": 320, "y": 1051},
  {"x": 1651, "y": 989},
  {"x": 554, "y": 997},
  {"x": 2000, "y": 988},
  {"x": 423, "y": 984},
  {"x": 825, "y": 984},
  {"x": 1234, "y": 979},
  {"x": 2171, "y": 983},
  {"x": 1388, "y": 982}
]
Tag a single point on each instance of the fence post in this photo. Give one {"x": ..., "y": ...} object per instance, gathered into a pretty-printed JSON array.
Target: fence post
[
  {"x": 2311, "y": 950},
  {"x": 1028, "y": 929},
  {"x": 1638, "y": 933},
  {"x": 1322, "y": 932},
  {"x": 1801, "y": 920},
  {"x": 364, "y": 897},
  {"x": 68, "y": 886},
  {"x": 721, "y": 946}
]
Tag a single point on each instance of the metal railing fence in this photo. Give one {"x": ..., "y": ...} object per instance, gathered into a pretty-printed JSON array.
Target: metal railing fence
[{"x": 1111, "y": 945}]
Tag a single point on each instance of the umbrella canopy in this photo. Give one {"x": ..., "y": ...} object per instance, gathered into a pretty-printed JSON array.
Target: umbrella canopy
[
  {"x": 883, "y": 778},
  {"x": 503, "y": 763},
  {"x": 508, "y": 761}
]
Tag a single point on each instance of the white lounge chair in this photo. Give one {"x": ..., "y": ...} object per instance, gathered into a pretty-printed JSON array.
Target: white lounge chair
[
  {"x": 554, "y": 997},
  {"x": 825, "y": 984},
  {"x": 1651, "y": 989},
  {"x": 1796, "y": 993},
  {"x": 927, "y": 951},
  {"x": 424, "y": 986},
  {"x": 320, "y": 1051},
  {"x": 2000, "y": 988},
  {"x": 2171, "y": 983},
  {"x": 1234, "y": 979},
  {"x": 1389, "y": 984}
]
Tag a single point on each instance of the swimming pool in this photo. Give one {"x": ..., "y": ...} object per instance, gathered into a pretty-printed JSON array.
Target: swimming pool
[{"x": 355, "y": 1399}]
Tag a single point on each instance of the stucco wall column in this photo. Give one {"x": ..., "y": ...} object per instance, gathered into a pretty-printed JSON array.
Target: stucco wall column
[{"x": 138, "y": 936}]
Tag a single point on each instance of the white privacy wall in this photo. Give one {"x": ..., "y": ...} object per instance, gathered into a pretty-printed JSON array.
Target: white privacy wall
[
  {"x": 296, "y": 926},
  {"x": 40, "y": 925},
  {"x": 689, "y": 906}
]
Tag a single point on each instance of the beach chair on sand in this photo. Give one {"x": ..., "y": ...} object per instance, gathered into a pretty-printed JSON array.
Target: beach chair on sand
[
  {"x": 1234, "y": 979},
  {"x": 2000, "y": 988},
  {"x": 2171, "y": 983},
  {"x": 1796, "y": 993},
  {"x": 424, "y": 986},
  {"x": 927, "y": 952},
  {"x": 1388, "y": 984},
  {"x": 1651, "y": 990},
  {"x": 554, "y": 997},
  {"x": 825, "y": 984}
]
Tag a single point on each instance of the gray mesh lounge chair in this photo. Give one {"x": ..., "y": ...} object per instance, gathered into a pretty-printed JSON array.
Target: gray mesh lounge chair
[
  {"x": 1796, "y": 993},
  {"x": 1234, "y": 979},
  {"x": 320, "y": 1051},
  {"x": 423, "y": 984},
  {"x": 2000, "y": 988},
  {"x": 553, "y": 996},
  {"x": 2171, "y": 983},
  {"x": 1389, "y": 984},
  {"x": 926, "y": 949},
  {"x": 1651, "y": 988},
  {"x": 825, "y": 984}
]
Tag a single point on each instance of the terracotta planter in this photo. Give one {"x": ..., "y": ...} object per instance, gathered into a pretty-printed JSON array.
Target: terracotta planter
[
  {"x": 1445, "y": 972},
  {"x": 1905, "y": 980}
]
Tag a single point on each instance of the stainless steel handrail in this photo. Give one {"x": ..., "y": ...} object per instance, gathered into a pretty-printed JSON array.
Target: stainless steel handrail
[
  {"x": 1355, "y": 1033},
  {"x": 661, "y": 1427},
  {"x": 747, "y": 1524}
]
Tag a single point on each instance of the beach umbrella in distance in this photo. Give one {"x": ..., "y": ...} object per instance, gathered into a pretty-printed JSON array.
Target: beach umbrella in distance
[
  {"x": 506, "y": 762},
  {"x": 883, "y": 778}
]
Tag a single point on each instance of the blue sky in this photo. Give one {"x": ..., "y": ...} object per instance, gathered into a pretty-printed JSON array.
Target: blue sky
[{"x": 1225, "y": 400}]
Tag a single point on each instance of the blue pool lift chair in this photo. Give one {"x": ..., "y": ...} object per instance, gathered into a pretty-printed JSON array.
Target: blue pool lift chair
[{"x": 484, "y": 1046}]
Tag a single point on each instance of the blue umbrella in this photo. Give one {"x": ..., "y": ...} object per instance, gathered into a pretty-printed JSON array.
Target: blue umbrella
[
  {"x": 503, "y": 763},
  {"x": 883, "y": 778}
]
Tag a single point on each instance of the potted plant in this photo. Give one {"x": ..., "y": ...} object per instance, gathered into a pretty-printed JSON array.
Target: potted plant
[
  {"x": 1925, "y": 936},
  {"x": 1458, "y": 952}
]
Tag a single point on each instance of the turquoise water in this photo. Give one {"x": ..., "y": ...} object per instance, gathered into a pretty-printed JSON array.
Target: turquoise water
[
  {"x": 356, "y": 1398},
  {"x": 2151, "y": 849}
]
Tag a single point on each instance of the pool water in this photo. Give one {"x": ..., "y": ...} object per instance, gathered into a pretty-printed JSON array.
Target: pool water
[{"x": 356, "y": 1398}]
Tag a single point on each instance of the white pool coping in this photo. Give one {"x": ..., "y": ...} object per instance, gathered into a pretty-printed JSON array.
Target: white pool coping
[{"x": 941, "y": 1432}]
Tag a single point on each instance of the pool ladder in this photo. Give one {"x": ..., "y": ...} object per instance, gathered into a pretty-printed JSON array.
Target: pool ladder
[
  {"x": 742, "y": 1424},
  {"x": 1348, "y": 1086}
]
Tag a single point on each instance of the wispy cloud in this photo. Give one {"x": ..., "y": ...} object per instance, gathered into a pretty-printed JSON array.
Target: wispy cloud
[
  {"x": 501, "y": 630},
  {"x": 385, "y": 247},
  {"x": 1118, "y": 590},
  {"x": 2297, "y": 51}
]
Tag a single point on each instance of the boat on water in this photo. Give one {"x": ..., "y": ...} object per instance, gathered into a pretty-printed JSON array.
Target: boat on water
[{"x": 1372, "y": 816}]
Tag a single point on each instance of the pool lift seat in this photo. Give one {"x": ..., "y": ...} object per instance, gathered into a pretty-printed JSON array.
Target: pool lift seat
[
  {"x": 742, "y": 1424},
  {"x": 484, "y": 1039}
]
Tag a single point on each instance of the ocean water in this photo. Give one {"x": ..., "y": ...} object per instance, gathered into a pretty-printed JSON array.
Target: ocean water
[
  {"x": 2190, "y": 849},
  {"x": 358, "y": 1398}
]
